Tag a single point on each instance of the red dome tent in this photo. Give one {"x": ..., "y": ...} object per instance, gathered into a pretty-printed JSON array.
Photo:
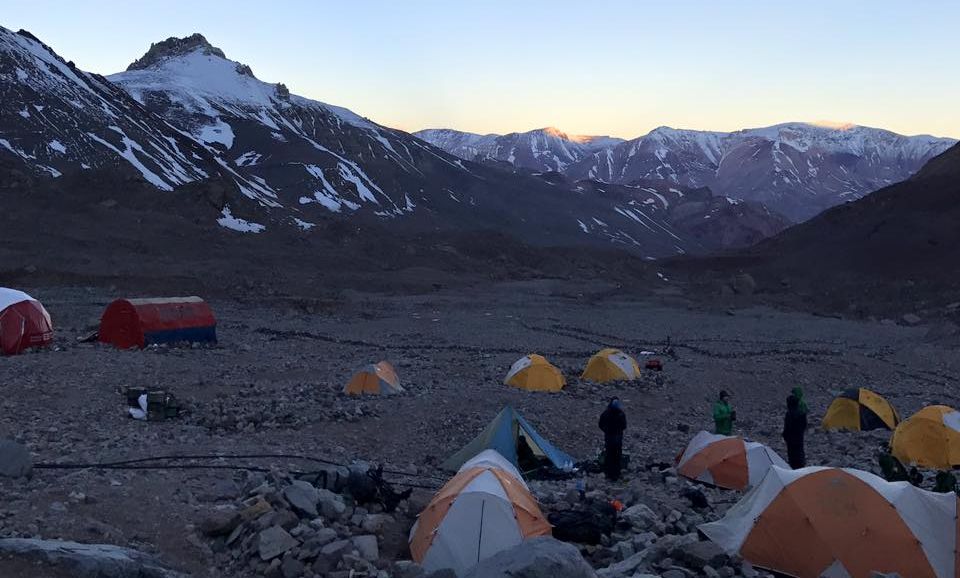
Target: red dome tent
[
  {"x": 24, "y": 323},
  {"x": 131, "y": 323}
]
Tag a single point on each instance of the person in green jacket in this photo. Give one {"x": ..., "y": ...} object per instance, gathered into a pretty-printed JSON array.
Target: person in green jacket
[
  {"x": 723, "y": 415},
  {"x": 798, "y": 393}
]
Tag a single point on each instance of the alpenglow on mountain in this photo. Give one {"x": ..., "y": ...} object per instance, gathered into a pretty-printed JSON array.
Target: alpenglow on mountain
[
  {"x": 797, "y": 169},
  {"x": 185, "y": 117}
]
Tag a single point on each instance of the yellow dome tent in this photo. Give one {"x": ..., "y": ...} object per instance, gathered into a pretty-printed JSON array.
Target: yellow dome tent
[
  {"x": 929, "y": 438},
  {"x": 860, "y": 410},
  {"x": 534, "y": 373},
  {"x": 377, "y": 379},
  {"x": 611, "y": 365}
]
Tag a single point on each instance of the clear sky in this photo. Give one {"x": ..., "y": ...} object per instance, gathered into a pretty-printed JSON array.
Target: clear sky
[{"x": 619, "y": 67}]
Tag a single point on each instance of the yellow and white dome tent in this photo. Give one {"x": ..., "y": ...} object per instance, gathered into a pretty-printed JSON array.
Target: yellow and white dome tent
[
  {"x": 611, "y": 365},
  {"x": 534, "y": 373}
]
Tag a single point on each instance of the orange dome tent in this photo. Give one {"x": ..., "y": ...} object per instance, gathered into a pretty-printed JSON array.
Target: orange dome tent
[
  {"x": 841, "y": 523},
  {"x": 377, "y": 379},
  {"x": 484, "y": 509},
  {"x": 726, "y": 461}
]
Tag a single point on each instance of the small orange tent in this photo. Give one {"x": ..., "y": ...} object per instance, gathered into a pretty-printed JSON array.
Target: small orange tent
[{"x": 377, "y": 379}]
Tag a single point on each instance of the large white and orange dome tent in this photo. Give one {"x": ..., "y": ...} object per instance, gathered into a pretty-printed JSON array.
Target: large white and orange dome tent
[
  {"x": 841, "y": 523},
  {"x": 726, "y": 461},
  {"x": 24, "y": 323},
  {"x": 484, "y": 509}
]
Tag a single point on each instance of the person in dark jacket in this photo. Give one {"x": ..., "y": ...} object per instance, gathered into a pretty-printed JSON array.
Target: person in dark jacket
[
  {"x": 794, "y": 428},
  {"x": 891, "y": 468},
  {"x": 613, "y": 421}
]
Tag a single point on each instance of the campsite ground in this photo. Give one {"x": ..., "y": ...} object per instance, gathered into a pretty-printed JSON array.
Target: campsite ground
[{"x": 272, "y": 386}]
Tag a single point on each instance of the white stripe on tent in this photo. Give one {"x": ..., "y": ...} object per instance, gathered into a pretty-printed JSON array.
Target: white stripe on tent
[
  {"x": 521, "y": 364},
  {"x": 10, "y": 297},
  {"x": 623, "y": 362},
  {"x": 759, "y": 459},
  {"x": 732, "y": 530},
  {"x": 491, "y": 459},
  {"x": 951, "y": 419}
]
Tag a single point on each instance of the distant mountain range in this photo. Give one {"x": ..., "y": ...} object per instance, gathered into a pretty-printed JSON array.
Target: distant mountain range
[
  {"x": 796, "y": 169},
  {"x": 185, "y": 120},
  {"x": 545, "y": 149}
]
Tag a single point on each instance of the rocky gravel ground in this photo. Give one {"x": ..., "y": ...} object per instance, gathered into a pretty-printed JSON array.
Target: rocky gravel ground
[{"x": 272, "y": 386}]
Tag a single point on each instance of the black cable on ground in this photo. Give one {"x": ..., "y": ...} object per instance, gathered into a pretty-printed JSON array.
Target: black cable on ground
[{"x": 140, "y": 464}]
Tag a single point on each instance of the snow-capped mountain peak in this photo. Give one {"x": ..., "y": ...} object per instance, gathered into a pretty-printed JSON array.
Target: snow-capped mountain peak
[
  {"x": 202, "y": 83},
  {"x": 173, "y": 47}
]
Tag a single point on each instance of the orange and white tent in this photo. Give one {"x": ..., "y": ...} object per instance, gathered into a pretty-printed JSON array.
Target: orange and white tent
[
  {"x": 841, "y": 523},
  {"x": 726, "y": 461},
  {"x": 534, "y": 373},
  {"x": 484, "y": 509},
  {"x": 377, "y": 379}
]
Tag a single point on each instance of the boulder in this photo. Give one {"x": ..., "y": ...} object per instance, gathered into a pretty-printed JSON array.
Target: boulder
[
  {"x": 699, "y": 554},
  {"x": 367, "y": 547},
  {"x": 744, "y": 284},
  {"x": 407, "y": 569},
  {"x": 88, "y": 560},
  {"x": 911, "y": 319},
  {"x": 330, "y": 555},
  {"x": 331, "y": 505},
  {"x": 542, "y": 557},
  {"x": 640, "y": 516},
  {"x": 15, "y": 460},
  {"x": 626, "y": 567},
  {"x": 273, "y": 542},
  {"x": 292, "y": 568},
  {"x": 375, "y": 523},
  {"x": 303, "y": 497},
  {"x": 220, "y": 523}
]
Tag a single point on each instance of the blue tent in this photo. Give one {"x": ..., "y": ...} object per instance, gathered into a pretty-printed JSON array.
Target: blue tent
[{"x": 503, "y": 434}]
